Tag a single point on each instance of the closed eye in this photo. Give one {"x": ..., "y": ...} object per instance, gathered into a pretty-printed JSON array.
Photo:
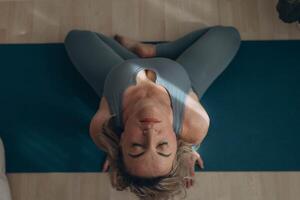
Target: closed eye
[
  {"x": 140, "y": 145},
  {"x": 164, "y": 143},
  {"x": 136, "y": 144},
  {"x": 140, "y": 154}
]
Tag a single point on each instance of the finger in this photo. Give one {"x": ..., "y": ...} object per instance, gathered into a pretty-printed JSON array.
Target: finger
[
  {"x": 192, "y": 168},
  {"x": 196, "y": 155},
  {"x": 200, "y": 163},
  {"x": 185, "y": 183},
  {"x": 105, "y": 166},
  {"x": 191, "y": 182},
  {"x": 193, "y": 171}
]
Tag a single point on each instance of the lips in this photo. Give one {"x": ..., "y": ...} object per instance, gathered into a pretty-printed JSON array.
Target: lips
[{"x": 150, "y": 120}]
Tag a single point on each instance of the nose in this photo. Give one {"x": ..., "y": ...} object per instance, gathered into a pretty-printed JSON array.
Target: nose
[
  {"x": 149, "y": 131},
  {"x": 149, "y": 127},
  {"x": 151, "y": 136}
]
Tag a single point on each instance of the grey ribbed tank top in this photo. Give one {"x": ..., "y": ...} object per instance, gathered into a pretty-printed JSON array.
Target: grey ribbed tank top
[{"x": 169, "y": 74}]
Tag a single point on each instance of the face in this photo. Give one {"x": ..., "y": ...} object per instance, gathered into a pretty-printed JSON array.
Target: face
[{"x": 149, "y": 149}]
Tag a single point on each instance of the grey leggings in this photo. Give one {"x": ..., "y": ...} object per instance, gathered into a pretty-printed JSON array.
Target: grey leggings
[{"x": 204, "y": 53}]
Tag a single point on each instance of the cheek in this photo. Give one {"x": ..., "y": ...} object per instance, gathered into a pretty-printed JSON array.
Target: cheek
[
  {"x": 128, "y": 136},
  {"x": 131, "y": 127},
  {"x": 131, "y": 132},
  {"x": 173, "y": 140},
  {"x": 171, "y": 135}
]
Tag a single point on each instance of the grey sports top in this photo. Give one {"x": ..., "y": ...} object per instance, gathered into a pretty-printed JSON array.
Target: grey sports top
[{"x": 169, "y": 74}]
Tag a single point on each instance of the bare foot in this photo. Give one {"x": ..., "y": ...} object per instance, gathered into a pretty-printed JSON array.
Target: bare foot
[
  {"x": 125, "y": 41},
  {"x": 141, "y": 49}
]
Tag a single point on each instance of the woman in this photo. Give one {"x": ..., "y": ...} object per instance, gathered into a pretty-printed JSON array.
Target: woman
[{"x": 149, "y": 116}]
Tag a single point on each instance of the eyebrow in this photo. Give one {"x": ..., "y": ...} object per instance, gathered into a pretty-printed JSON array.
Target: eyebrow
[{"x": 140, "y": 154}]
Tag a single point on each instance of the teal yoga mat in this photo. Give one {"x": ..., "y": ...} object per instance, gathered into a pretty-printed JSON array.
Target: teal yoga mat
[{"x": 46, "y": 107}]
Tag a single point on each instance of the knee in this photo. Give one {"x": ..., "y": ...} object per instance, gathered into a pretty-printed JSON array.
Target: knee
[
  {"x": 234, "y": 33},
  {"x": 76, "y": 35},
  {"x": 71, "y": 34},
  {"x": 228, "y": 33}
]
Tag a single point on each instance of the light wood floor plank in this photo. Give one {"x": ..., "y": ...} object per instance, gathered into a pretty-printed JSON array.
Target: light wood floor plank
[
  {"x": 208, "y": 185},
  {"x": 46, "y": 21}
]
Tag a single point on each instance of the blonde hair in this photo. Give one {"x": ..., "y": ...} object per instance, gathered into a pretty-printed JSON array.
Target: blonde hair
[{"x": 162, "y": 187}]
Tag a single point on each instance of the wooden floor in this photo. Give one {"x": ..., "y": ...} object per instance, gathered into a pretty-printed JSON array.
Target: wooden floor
[
  {"x": 48, "y": 21},
  {"x": 41, "y": 21},
  {"x": 208, "y": 186}
]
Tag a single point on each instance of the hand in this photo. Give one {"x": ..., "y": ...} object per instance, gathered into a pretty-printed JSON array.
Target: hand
[
  {"x": 106, "y": 165},
  {"x": 197, "y": 157},
  {"x": 191, "y": 159}
]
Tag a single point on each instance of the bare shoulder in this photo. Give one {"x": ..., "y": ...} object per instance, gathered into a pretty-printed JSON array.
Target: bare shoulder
[
  {"x": 102, "y": 114},
  {"x": 195, "y": 120}
]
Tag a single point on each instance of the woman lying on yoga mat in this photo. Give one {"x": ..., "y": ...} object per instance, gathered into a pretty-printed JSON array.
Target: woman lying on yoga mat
[{"x": 150, "y": 122}]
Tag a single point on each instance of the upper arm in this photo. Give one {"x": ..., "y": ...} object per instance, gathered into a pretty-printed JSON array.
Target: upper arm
[
  {"x": 99, "y": 118},
  {"x": 195, "y": 121},
  {"x": 197, "y": 129}
]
